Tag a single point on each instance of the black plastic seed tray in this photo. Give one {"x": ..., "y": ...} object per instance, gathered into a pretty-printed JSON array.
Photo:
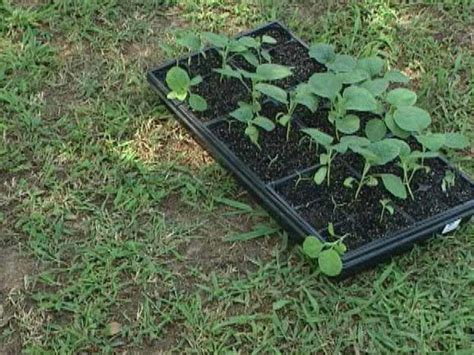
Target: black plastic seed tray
[{"x": 288, "y": 194}]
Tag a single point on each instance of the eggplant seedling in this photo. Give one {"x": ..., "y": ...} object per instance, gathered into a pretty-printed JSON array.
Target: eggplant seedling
[
  {"x": 301, "y": 95},
  {"x": 448, "y": 182},
  {"x": 328, "y": 254},
  {"x": 386, "y": 206},
  {"x": 254, "y": 46},
  {"x": 180, "y": 85},
  {"x": 353, "y": 98}
]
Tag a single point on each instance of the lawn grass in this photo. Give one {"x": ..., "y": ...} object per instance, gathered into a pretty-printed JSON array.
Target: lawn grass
[{"x": 117, "y": 231}]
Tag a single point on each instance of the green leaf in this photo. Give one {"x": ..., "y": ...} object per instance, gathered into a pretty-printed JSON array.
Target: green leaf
[
  {"x": 348, "y": 182},
  {"x": 432, "y": 141},
  {"x": 394, "y": 185},
  {"x": 270, "y": 72},
  {"x": 456, "y": 141},
  {"x": 197, "y": 102},
  {"x": 178, "y": 79},
  {"x": 196, "y": 80},
  {"x": 229, "y": 72},
  {"x": 320, "y": 175},
  {"x": 359, "y": 99},
  {"x": 385, "y": 150},
  {"x": 353, "y": 141},
  {"x": 284, "y": 119},
  {"x": 216, "y": 40},
  {"x": 372, "y": 65},
  {"x": 375, "y": 130},
  {"x": 312, "y": 246},
  {"x": 325, "y": 85},
  {"x": 396, "y": 76},
  {"x": 264, "y": 123},
  {"x": 250, "y": 58},
  {"x": 402, "y": 146},
  {"x": 353, "y": 76},
  {"x": 303, "y": 95},
  {"x": 323, "y": 159},
  {"x": 318, "y": 136},
  {"x": 272, "y": 91},
  {"x": 268, "y": 39},
  {"x": 401, "y": 97},
  {"x": 340, "y": 248},
  {"x": 330, "y": 262},
  {"x": 393, "y": 127},
  {"x": 411, "y": 118},
  {"x": 348, "y": 124},
  {"x": 252, "y": 133},
  {"x": 181, "y": 96},
  {"x": 190, "y": 41},
  {"x": 323, "y": 53},
  {"x": 243, "y": 113},
  {"x": 376, "y": 87},
  {"x": 343, "y": 63},
  {"x": 248, "y": 42}
]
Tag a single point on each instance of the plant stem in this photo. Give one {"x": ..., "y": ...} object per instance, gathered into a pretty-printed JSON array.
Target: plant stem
[
  {"x": 288, "y": 128},
  {"x": 329, "y": 166},
  {"x": 361, "y": 182}
]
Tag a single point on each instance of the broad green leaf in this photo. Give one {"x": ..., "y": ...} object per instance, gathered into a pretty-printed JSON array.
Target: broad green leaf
[
  {"x": 352, "y": 141},
  {"x": 189, "y": 40},
  {"x": 178, "y": 79},
  {"x": 266, "y": 55},
  {"x": 394, "y": 185},
  {"x": 252, "y": 133},
  {"x": 268, "y": 39},
  {"x": 376, "y": 86},
  {"x": 386, "y": 150},
  {"x": 216, "y": 40},
  {"x": 272, "y": 91},
  {"x": 340, "y": 248},
  {"x": 312, "y": 246},
  {"x": 323, "y": 159},
  {"x": 402, "y": 146},
  {"x": 401, "y": 97},
  {"x": 395, "y": 76},
  {"x": 264, "y": 123},
  {"x": 456, "y": 141},
  {"x": 342, "y": 63},
  {"x": 180, "y": 96},
  {"x": 323, "y": 53},
  {"x": 284, "y": 119},
  {"x": 353, "y": 76},
  {"x": 432, "y": 141},
  {"x": 250, "y": 58},
  {"x": 330, "y": 262},
  {"x": 248, "y": 41},
  {"x": 318, "y": 136},
  {"x": 365, "y": 152},
  {"x": 359, "y": 99},
  {"x": 411, "y": 118},
  {"x": 375, "y": 130},
  {"x": 393, "y": 127},
  {"x": 197, "y": 102},
  {"x": 372, "y": 65},
  {"x": 348, "y": 124},
  {"x": 320, "y": 175},
  {"x": 325, "y": 85},
  {"x": 228, "y": 71},
  {"x": 196, "y": 80},
  {"x": 236, "y": 47},
  {"x": 303, "y": 95},
  {"x": 270, "y": 72},
  {"x": 243, "y": 113}
]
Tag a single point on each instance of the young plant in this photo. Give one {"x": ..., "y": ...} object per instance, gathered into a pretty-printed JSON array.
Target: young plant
[
  {"x": 180, "y": 85},
  {"x": 328, "y": 254},
  {"x": 448, "y": 182},
  {"x": 353, "y": 98},
  {"x": 380, "y": 153},
  {"x": 386, "y": 206},
  {"x": 254, "y": 46},
  {"x": 191, "y": 41},
  {"x": 301, "y": 95},
  {"x": 250, "y": 112}
]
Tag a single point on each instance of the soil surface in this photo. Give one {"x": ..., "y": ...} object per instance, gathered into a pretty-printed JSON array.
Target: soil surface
[
  {"x": 278, "y": 157},
  {"x": 277, "y": 32}
]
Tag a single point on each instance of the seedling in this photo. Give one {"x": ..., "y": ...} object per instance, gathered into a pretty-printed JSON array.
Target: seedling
[
  {"x": 224, "y": 45},
  {"x": 328, "y": 254},
  {"x": 255, "y": 45},
  {"x": 449, "y": 180},
  {"x": 353, "y": 98},
  {"x": 386, "y": 206},
  {"x": 250, "y": 113},
  {"x": 301, "y": 95},
  {"x": 191, "y": 41},
  {"x": 180, "y": 85}
]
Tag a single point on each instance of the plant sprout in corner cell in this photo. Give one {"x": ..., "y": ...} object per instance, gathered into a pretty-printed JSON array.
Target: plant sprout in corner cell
[
  {"x": 328, "y": 255},
  {"x": 386, "y": 206},
  {"x": 249, "y": 113},
  {"x": 192, "y": 42},
  {"x": 448, "y": 182},
  {"x": 180, "y": 85},
  {"x": 255, "y": 54},
  {"x": 301, "y": 95}
]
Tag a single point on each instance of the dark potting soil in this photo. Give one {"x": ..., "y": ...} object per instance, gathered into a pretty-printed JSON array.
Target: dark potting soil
[
  {"x": 202, "y": 65},
  {"x": 278, "y": 157},
  {"x": 318, "y": 119},
  {"x": 222, "y": 96}
]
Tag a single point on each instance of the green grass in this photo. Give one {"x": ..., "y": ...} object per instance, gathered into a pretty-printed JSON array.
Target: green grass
[{"x": 123, "y": 226}]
